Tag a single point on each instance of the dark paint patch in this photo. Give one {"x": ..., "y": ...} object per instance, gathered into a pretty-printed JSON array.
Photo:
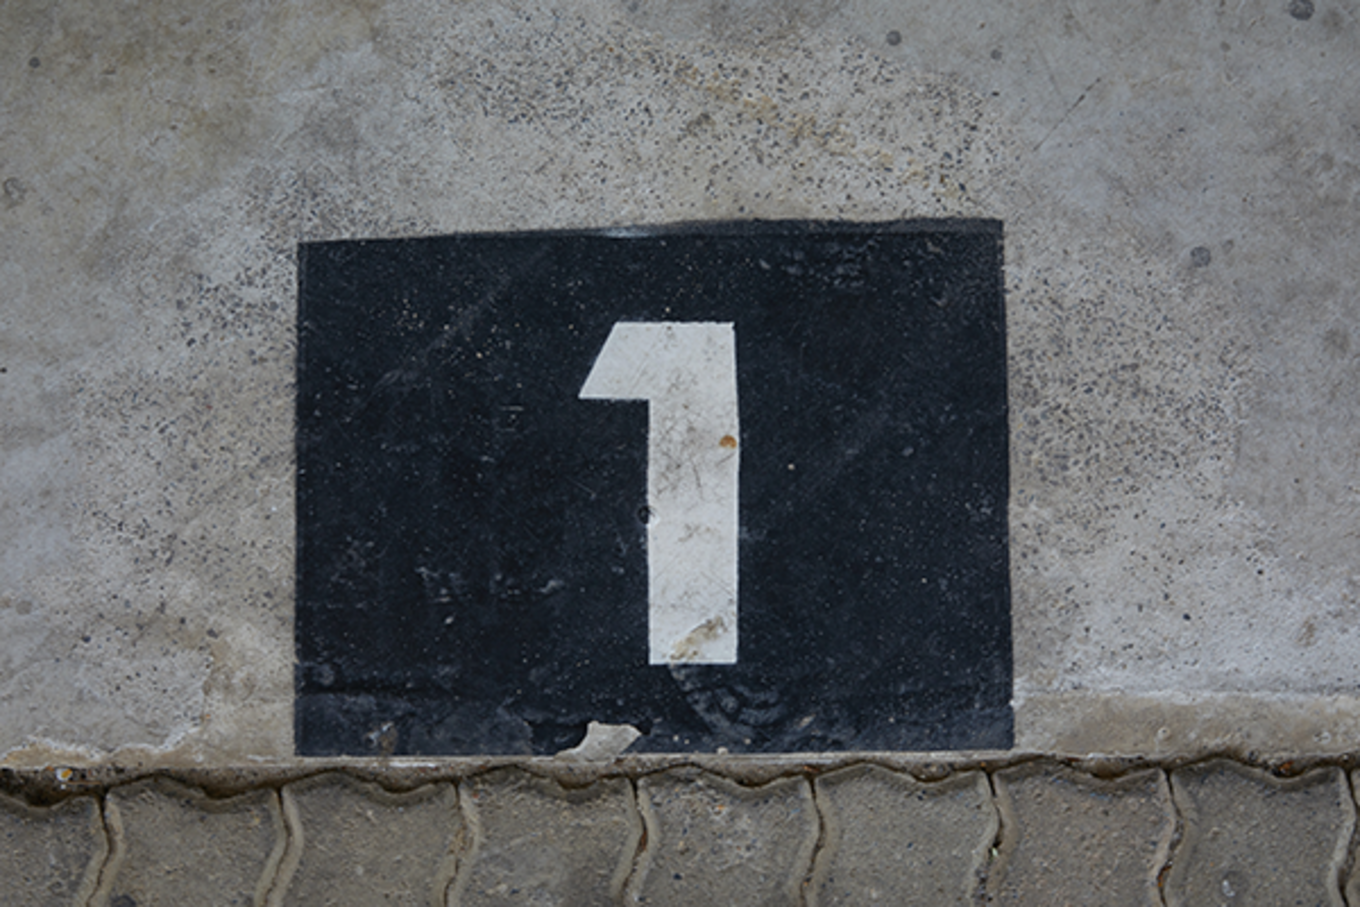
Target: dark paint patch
[{"x": 472, "y": 565}]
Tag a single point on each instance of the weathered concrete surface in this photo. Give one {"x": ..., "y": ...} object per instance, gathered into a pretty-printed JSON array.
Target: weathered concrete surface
[
  {"x": 50, "y": 856},
  {"x": 1179, "y": 187},
  {"x": 173, "y": 845},
  {"x": 1250, "y": 838},
  {"x": 1068, "y": 838},
  {"x": 536, "y": 842},
  {"x": 712, "y": 841},
  {"x": 890, "y": 839},
  {"x": 351, "y": 843}
]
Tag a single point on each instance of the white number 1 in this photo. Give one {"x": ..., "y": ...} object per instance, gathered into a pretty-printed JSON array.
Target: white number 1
[{"x": 687, "y": 371}]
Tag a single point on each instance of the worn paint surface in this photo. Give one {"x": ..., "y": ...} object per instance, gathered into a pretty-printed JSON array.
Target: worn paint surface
[
  {"x": 1179, "y": 188},
  {"x": 687, "y": 373}
]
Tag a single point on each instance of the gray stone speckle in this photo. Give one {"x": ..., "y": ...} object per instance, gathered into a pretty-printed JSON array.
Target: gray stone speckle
[
  {"x": 1250, "y": 838},
  {"x": 712, "y": 841},
  {"x": 1301, "y": 9},
  {"x": 890, "y": 839}
]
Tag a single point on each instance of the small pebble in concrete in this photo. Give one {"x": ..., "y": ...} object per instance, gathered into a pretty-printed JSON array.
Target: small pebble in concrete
[
  {"x": 1301, "y": 9},
  {"x": 712, "y": 841},
  {"x": 1251, "y": 838},
  {"x": 355, "y": 844},
  {"x": 1200, "y": 257},
  {"x": 50, "y": 855},
  {"x": 173, "y": 844},
  {"x": 536, "y": 842},
  {"x": 1069, "y": 838},
  {"x": 891, "y": 839}
]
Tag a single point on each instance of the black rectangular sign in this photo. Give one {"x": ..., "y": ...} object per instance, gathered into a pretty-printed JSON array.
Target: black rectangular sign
[{"x": 738, "y": 485}]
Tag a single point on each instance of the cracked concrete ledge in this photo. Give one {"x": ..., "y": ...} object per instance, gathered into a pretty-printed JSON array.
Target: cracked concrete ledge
[
  {"x": 57, "y": 781},
  {"x": 821, "y": 833}
]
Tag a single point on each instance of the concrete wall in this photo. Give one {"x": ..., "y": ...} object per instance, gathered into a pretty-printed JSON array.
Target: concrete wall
[{"x": 1180, "y": 186}]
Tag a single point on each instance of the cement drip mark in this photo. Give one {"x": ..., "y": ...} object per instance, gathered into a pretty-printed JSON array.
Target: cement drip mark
[
  {"x": 1343, "y": 856},
  {"x": 642, "y": 859},
  {"x": 467, "y": 847},
  {"x": 1177, "y": 838},
  {"x": 807, "y": 893},
  {"x": 292, "y": 851},
  {"x": 1161, "y": 857},
  {"x": 811, "y": 841},
  {"x": 1004, "y": 842},
  {"x": 992, "y": 858},
  {"x": 89, "y": 880},
  {"x": 637, "y": 837},
  {"x": 273, "y": 866},
  {"x": 116, "y": 851}
]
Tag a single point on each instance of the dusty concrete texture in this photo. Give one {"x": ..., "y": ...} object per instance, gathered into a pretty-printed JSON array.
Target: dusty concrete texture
[
  {"x": 51, "y": 856},
  {"x": 537, "y": 842},
  {"x": 890, "y": 839},
  {"x": 1179, "y": 189},
  {"x": 1073, "y": 839},
  {"x": 174, "y": 845},
  {"x": 711, "y": 840},
  {"x": 353, "y": 843},
  {"x": 1250, "y": 838}
]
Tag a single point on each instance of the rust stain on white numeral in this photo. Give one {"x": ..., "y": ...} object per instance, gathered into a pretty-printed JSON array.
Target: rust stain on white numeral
[{"x": 687, "y": 371}]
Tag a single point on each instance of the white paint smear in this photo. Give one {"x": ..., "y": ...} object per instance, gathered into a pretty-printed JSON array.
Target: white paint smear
[{"x": 687, "y": 371}]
